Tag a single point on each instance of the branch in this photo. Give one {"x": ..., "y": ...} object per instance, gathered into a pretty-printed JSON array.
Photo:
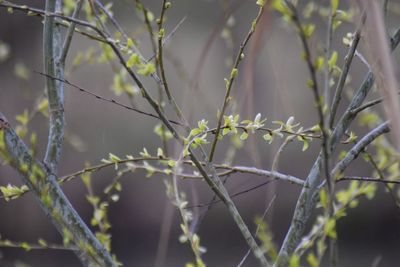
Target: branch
[
  {"x": 359, "y": 147},
  {"x": 343, "y": 76},
  {"x": 109, "y": 100},
  {"x": 70, "y": 33},
  {"x": 233, "y": 75},
  {"x": 307, "y": 200},
  {"x": 214, "y": 182},
  {"x": 314, "y": 86},
  {"x": 367, "y": 179},
  {"x": 55, "y": 92},
  {"x": 42, "y": 181}
]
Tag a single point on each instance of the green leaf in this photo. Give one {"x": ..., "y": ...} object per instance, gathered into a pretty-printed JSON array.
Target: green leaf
[
  {"x": 42, "y": 242},
  {"x": 144, "y": 153},
  {"x": 11, "y": 191},
  {"x": 133, "y": 60},
  {"x": 323, "y": 198},
  {"x": 113, "y": 158},
  {"x": 312, "y": 260},
  {"x": 160, "y": 153},
  {"x": 234, "y": 73},
  {"x": 294, "y": 261},
  {"x": 26, "y": 246},
  {"x": 244, "y": 136},
  {"x": 330, "y": 228},
  {"x": 268, "y": 137},
  {"x": 147, "y": 69},
  {"x": 23, "y": 118},
  {"x": 305, "y": 145},
  {"x": 129, "y": 43},
  {"x": 332, "y": 61},
  {"x": 308, "y": 30},
  {"x": 319, "y": 63}
]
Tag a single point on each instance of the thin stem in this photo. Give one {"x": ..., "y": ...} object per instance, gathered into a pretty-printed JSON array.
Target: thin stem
[
  {"x": 314, "y": 86},
  {"x": 328, "y": 43},
  {"x": 70, "y": 33},
  {"x": 229, "y": 84},
  {"x": 5, "y": 243},
  {"x": 258, "y": 228},
  {"x": 160, "y": 49},
  {"x": 343, "y": 76},
  {"x": 367, "y": 179},
  {"x": 160, "y": 60},
  {"x": 109, "y": 100}
]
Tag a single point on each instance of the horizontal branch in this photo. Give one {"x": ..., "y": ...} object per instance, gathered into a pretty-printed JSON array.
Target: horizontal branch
[
  {"x": 367, "y": 179},
  {"x": 228, "y": 171}
]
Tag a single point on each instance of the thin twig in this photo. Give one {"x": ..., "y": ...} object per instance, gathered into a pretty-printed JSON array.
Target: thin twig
[
  {"x": 345, "y": 71},
  {"x": 70, "y": 33},
  {"x": 258, "y": 228},
  {"x": 5, "y": 243},
  {"x": 314, "y": 86},
  {"x": 110, "y": 100},
  {"x": 367, "y": 179},
  {"x": 160, "y": 60},
  {"x": 207, "y": 205},
  {"x": 232, "y": 77}
]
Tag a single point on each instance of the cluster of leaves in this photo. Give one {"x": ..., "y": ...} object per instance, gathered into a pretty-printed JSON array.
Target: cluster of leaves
[
  {"x": 232, "y": 126},
  {"x": 325, "y": 226}
]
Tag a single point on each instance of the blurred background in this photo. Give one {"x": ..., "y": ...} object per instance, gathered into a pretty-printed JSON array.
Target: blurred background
[{"x": 272, "y": 81}]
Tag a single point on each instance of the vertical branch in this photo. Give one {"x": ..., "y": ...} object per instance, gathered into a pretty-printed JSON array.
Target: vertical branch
[
  {"x": 70, "y": 33},
  {"x": 314, "y": 87},
  {"x": 53, "y": 201},
  {"x": 160, "y": 60},
  {"x": 161, "y": 33},
  {"x": 343, "y": 76},
  {"x": 307, "y": 198},
  {"x": 328, "y": 43},
  {"x": 232, "y": 77},
  {"x": 55, "y": 89}
]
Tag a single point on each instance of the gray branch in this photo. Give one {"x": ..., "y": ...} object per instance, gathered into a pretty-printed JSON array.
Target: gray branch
[
  {"x": 307, "y": 200},
  {"x": 359, "y": 147},
  {"x": 55, "y": 90},
  {"x": 52, "y": 200}
]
